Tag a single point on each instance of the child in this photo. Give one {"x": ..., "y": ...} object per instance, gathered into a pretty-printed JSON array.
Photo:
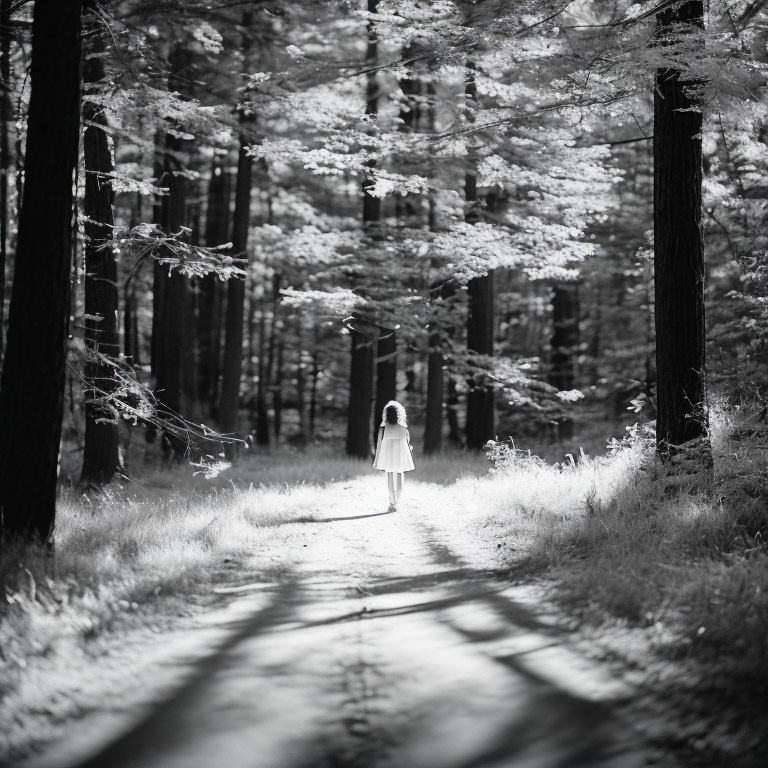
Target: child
[{"x": 393, "y": 450}]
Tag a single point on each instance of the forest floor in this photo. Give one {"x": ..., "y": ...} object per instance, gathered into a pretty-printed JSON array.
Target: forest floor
[{"x": 313, "y": 628}]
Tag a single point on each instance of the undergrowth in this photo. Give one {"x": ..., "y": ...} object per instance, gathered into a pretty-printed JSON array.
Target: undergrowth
[{"x": 625, "y": 540}]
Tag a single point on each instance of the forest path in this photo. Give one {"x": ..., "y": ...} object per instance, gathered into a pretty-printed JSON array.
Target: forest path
[{"x": 380, "y": 641}]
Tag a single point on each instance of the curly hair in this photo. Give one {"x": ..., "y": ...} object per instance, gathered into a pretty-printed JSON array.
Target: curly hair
[{"x": 394, "y": 413}]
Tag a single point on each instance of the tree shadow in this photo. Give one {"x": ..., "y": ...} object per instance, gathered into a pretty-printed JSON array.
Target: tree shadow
[{"x": 551, "y": 727}]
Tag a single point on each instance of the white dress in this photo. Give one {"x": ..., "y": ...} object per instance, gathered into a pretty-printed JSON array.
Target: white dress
[{"x": 393, "y": 453}]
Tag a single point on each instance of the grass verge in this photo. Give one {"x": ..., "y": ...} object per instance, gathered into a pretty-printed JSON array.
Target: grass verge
[{"x": 679, "y": 562}]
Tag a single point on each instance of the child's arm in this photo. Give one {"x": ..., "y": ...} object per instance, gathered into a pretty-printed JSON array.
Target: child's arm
[
  {"x": 378, "y": 445},
  {"x": 408, "y": 439}
]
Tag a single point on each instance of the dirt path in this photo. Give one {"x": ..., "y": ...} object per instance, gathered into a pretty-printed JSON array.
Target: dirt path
[{"x": 381, "y": 642}]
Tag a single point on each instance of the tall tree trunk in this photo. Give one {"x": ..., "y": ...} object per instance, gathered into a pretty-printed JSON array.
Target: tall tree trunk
[
  {"x": 301, "y": 384},
  {"x": 480, "y": 405},
  {"x": 371, "y": 204},
  {"x": 159, "y": 279},
  {"x": 6, "y": 115},
  {"x": 170, "y": 331},
  {"x": 130, "y": 300},
  {"x": 313, "y": 387},
  {"x": 565, "y": 335},
  {"x": 565, "y": 345},
  {"x": 360, "y": 394},
  {"x": 480, "y": 398},
  {"x": 277, "y": 389},
  {"x": 386, "y": 375},
  {"x": 679, "y": 252},
  {"x": 262, "y": 417},
  {"x": 173, "y": 299},
  {"x": 253, "y": 349},
  {"x": 265, "y": 381},
  {"x": 433, "y": 428},
  {"x": 130, "y": 325},
  {"x": 32, "y": 383},
  {"x": 362, "y": 353},
  {"x": 233, "y": 334},
  {"x": 212, "y": 290},
  {"x": 100, "y": 456}
]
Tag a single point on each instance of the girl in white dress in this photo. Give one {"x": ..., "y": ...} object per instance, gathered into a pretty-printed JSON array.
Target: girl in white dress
[{"x": 393, "y": 449}]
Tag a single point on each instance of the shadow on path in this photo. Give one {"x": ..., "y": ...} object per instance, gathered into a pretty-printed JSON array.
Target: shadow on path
[{"x": 349, "y": 666}]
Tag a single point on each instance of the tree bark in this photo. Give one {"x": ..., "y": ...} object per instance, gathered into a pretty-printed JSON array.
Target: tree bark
[
  {"x": 371, "y": 204},
  {"x": 480, "y": 398},
  {"x": 32, "y": 383},
  {"x": 362, "y": 353},
  {"x": 277, "y": 390},
  {"x": 212, "y": 290},
  {"x": 6, "y": 115},
  {"x": 313, "y": 387},
  {"x": 480, "y": 405},
  {"x": 100, "y": 456},
  {"x": 386, "y": 375},
  {"x": 360, "y": 394},
  {"x": 233, "y": 335},
  {"x": 565, "y": 335},
  {"x": 433, "y": 428},
  {"x": 679, "y": 251},
  {"x": 170, "y": 332},
  {"x": 262, "y": 417},
  {"x": 301, "y": 384},
  {"x": 565, "y": 345}
]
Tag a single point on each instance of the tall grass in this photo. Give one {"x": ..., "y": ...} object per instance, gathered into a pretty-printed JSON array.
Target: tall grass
[{"x": 625, "y": 541}]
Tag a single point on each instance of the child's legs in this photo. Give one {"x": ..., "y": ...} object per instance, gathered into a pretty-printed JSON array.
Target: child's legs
[
  {"x": 391, "y": 485},
  {"x": 400, "y": 482}
]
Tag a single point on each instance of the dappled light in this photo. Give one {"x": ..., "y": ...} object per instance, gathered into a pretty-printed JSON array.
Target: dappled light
[
  {"x": 377, "y": 643},
  {"x": 383, "y": 384}
]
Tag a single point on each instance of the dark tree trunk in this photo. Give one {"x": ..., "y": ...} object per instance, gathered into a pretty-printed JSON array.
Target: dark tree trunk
[
  {"x": 130, "y": 326},
  {"x": 100, "y": 456},
  {"x": 252, "y": 345},
  {"x": 265, "y": 381},
  {"x": 362, "y": 353},
  {"x": 565, "y": 335},
  {"x": 173, "y": 298},
  {"x": 452, "y": 413},
  {"x": 301, "y": 384},
  {"x": 371, "y": 204},
  {"x": 679, "y": 252},
  {"x": 212, "y": 290},
  {"x": 565, "y": 345},
  {"x": 360, "y": 393},
  {"x": 32, "y": 383},
  {"x": 233, "y": 344},
  {"x": 480, "y": 398},
  {"x": 313, "y": 390},
  {"x": 433, "y": 428},
  {"x": 386, "y": 375},
  {"x": 480, "y": 405},
  {"x": 277, "y": 390},
  {"x": 190, "y": 385},
  {"x": 158, "y": 276},
  {"x": 6, "y": 116},
  {"x": 130, "y": 301},
  {"x": 262, "y": 417},
  {"x": 170, "y": 331},
  {"x": 596, "y": 338}
]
